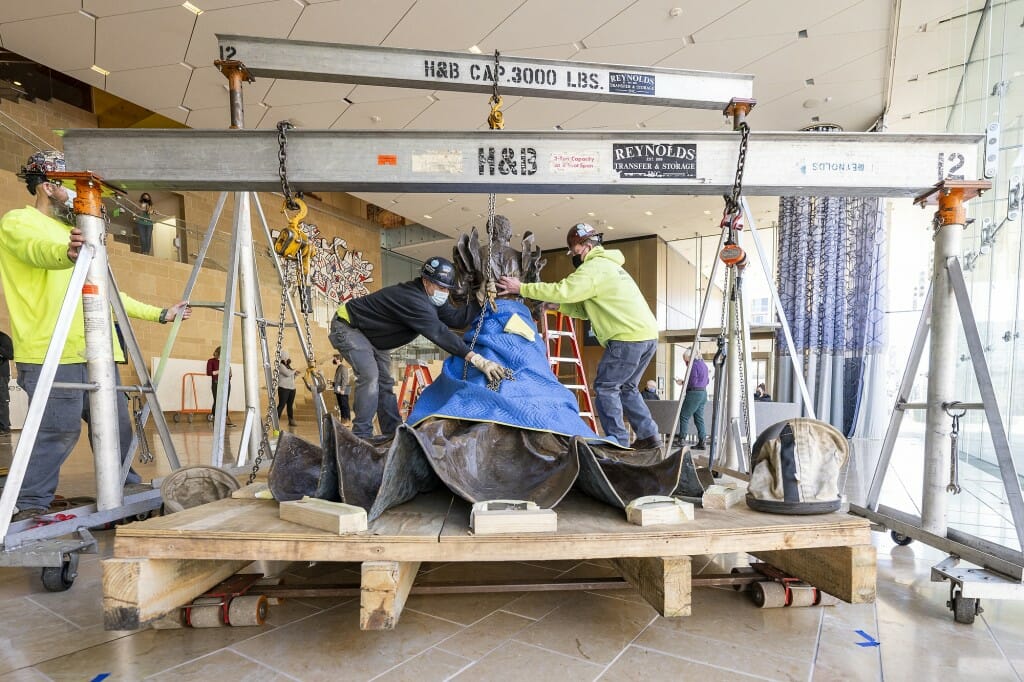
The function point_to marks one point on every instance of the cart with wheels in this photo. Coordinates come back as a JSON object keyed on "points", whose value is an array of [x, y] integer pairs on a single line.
{"points": [[188, 387]]}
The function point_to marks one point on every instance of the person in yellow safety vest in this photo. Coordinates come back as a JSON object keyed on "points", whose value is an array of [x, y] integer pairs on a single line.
{"points": [[38, 248], [602, 292]]}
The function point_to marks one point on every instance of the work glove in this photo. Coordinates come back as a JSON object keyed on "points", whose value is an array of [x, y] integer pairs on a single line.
{"points": [[490, 369]]}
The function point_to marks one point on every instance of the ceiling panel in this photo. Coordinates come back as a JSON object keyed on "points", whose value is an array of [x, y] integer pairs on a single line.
{"points": [[348, 21], [542, 22], [90, 77], [925, 93], [650, 19], [174, 113], [612, 116], [642, 53], [284, 92], [106, 8], [448, 24], [151, 38], [209, 118], [689, 119], [729, 56], [918, 54], [917, 12], [765, 17], [208, 89], [532, 113], [19, 11], [316, 115], [452, 111], [266, 19], [809, 57], [866, 15], [390, 115], [63, 42], [363, 94], [155, 88], [562, 52]]}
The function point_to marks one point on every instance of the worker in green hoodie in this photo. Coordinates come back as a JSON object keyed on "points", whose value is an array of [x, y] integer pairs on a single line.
{"points": [[38, 247], [602, 292]]}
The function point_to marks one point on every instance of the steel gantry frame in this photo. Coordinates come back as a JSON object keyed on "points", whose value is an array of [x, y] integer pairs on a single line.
{"points": [[633, 162]]}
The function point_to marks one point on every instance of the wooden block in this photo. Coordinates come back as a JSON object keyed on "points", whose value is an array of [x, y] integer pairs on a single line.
{"points": [[849, 573], [655, 510], [723, 496], [335, 517], [511, 516], [253, 490], [137, 592], [383, 590], [664, 582]]}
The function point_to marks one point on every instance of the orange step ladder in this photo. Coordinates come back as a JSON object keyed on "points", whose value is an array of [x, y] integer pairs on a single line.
{"points": [[417, 377], [563, 328]]}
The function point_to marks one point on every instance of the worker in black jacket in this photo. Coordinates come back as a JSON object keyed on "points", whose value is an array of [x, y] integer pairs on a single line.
{"points": [[366, 329]]}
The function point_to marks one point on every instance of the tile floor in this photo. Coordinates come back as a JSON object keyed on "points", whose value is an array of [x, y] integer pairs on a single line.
{"points": [[607, 635]]}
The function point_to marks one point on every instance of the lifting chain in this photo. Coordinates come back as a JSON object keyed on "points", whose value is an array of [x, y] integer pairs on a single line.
{"points": [[496, 119], [952, 410], [145, 454], [282, 158], [268, 418]]}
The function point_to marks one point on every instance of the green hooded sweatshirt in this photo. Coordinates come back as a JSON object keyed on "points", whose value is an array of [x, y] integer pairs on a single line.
{"points": [[602, 292], [36, 272]]}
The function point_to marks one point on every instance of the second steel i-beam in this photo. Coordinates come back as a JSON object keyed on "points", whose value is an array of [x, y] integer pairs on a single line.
{"points": [[525, 162]]}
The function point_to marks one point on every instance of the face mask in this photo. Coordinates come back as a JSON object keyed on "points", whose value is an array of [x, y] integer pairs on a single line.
{"points": [[577, 260], [439, 297], [70, 201]]}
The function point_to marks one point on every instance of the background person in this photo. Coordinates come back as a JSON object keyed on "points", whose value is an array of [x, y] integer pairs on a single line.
{"points": [[38, 247], [694, 401], [342, 378], [602, 292], [144, 224], [213, 371], [365, 331], [6, 355], [286, 388], [650, 391]]}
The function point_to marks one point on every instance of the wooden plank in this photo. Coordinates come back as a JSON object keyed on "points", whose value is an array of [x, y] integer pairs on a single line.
{"points": [[334, 517], [723, 496], [384, 589], [664, 582], [492, 517], [436, 528], [849, 573], [137, 592], [259, 490]]}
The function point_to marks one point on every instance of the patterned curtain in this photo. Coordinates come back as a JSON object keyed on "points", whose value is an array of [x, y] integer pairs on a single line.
{"points": [[831, 280]]}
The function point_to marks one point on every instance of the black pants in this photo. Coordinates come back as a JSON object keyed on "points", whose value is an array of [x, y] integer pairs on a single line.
{"points": [[286, 398], [343, 408], [5, 400]]}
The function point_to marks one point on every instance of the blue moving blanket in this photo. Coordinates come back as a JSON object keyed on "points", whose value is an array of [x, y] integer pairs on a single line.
{"points": [[535, 400]]}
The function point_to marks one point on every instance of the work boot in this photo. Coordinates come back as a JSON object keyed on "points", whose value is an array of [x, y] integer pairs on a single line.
{"points": [[292, 422], [699, 445], [25, 514], [648, 443]]}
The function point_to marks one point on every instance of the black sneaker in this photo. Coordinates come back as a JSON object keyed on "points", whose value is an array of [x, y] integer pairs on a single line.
{"points": [[648, 443], [699, 445]]}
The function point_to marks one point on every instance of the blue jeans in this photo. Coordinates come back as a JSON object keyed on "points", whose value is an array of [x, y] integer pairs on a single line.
{"points": [[375, 387], [59, 431], [693, 406], [618, 373]]}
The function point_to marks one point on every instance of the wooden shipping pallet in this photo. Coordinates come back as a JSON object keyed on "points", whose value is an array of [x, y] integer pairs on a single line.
{"points": [[163, 563]]}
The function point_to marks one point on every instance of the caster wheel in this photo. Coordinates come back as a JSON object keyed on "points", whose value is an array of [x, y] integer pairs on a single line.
{"points": [[768, 594], [965, 609], [176, 417], [900, 539], [802, 595], [248, 610], [741, 570], [60, 578], [205, 612]]}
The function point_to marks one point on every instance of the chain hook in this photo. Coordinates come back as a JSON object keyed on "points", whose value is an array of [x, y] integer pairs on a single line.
{"points": [[496, 119]]}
